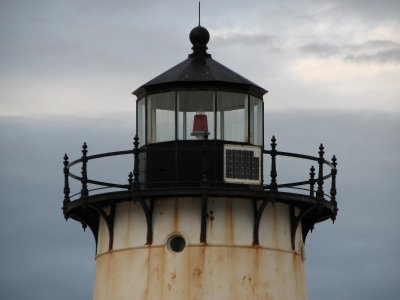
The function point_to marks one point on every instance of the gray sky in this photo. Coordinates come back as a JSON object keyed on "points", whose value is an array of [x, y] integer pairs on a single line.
{"points": [[75, 57], [67, 69]]}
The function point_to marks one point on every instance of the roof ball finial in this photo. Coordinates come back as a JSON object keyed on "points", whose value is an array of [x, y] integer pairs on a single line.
{"points": [[199, 37]]}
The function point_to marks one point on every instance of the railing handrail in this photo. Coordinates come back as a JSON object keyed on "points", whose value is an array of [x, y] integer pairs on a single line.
{"points": [[290, 154], [100, 155], [303, 156], [273, 186]]}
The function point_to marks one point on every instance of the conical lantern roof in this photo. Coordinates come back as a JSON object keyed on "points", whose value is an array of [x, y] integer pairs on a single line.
{"points": [[200, 71]]}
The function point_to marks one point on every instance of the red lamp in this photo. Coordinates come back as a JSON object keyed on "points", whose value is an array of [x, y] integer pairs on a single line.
{"points": [[200, 126]]}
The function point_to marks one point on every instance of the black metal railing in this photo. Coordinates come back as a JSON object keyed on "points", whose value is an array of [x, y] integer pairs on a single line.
{"points": [[305, 186], [273, 186]]}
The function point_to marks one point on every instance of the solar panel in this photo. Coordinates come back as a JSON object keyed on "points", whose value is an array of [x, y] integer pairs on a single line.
{"points": [[242, 164]]}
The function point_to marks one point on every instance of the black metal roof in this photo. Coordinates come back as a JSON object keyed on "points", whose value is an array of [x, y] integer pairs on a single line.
{"points": [[200, 70]]}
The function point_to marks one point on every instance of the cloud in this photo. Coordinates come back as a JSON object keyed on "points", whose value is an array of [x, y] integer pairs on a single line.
{"points": [[369, 9], [76, 56], [244, 39], [384, 56], [378, 51], [321, 50]]}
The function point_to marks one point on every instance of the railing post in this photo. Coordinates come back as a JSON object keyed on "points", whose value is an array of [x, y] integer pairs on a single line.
{"points": [[66, 186], [204, 167], [333, 187], [204, 184], [312, 181], [130, 181], [320, 180], [273, 186], [136, 184], [84, 179]]}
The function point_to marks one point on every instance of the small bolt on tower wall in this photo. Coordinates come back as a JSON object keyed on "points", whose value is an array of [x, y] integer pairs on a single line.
{"points": [[202, 215]]}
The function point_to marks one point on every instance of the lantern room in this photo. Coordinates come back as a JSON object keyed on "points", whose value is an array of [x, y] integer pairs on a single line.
{"points": [[198, 99], [197, 91], [191, 114]]}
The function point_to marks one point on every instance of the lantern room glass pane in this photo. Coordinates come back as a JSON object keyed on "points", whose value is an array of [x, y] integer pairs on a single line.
{"points": [[141, 121], [256, 121], [189, 104], [232, 115], [161, 117]]}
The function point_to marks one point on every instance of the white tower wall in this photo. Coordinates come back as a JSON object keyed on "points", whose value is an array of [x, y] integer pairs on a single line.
{"points": [[228, 266]]}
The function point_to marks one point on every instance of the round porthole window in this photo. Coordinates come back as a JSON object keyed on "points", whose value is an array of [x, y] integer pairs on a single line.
{"points": [[176, 243]]}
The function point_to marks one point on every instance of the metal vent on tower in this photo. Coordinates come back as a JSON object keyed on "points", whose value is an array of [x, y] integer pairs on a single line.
{"points": [[242, 164]]}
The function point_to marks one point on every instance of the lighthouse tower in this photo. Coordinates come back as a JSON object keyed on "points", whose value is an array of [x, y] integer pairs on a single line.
{"points": [[203, 214]]}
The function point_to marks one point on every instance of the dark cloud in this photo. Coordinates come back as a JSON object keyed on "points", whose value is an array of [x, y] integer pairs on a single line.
{"points": [[355, 257], [385, 56], [41, 253], [322, 50], [44, 257], [379, 51], [376, 44]]}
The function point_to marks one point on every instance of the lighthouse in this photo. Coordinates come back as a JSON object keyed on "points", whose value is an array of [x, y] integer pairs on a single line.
{"points": [[203, 213]]}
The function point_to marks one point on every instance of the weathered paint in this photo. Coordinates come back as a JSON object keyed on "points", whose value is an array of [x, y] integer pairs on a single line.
{"points": [[227, 267], [103, 236]]}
